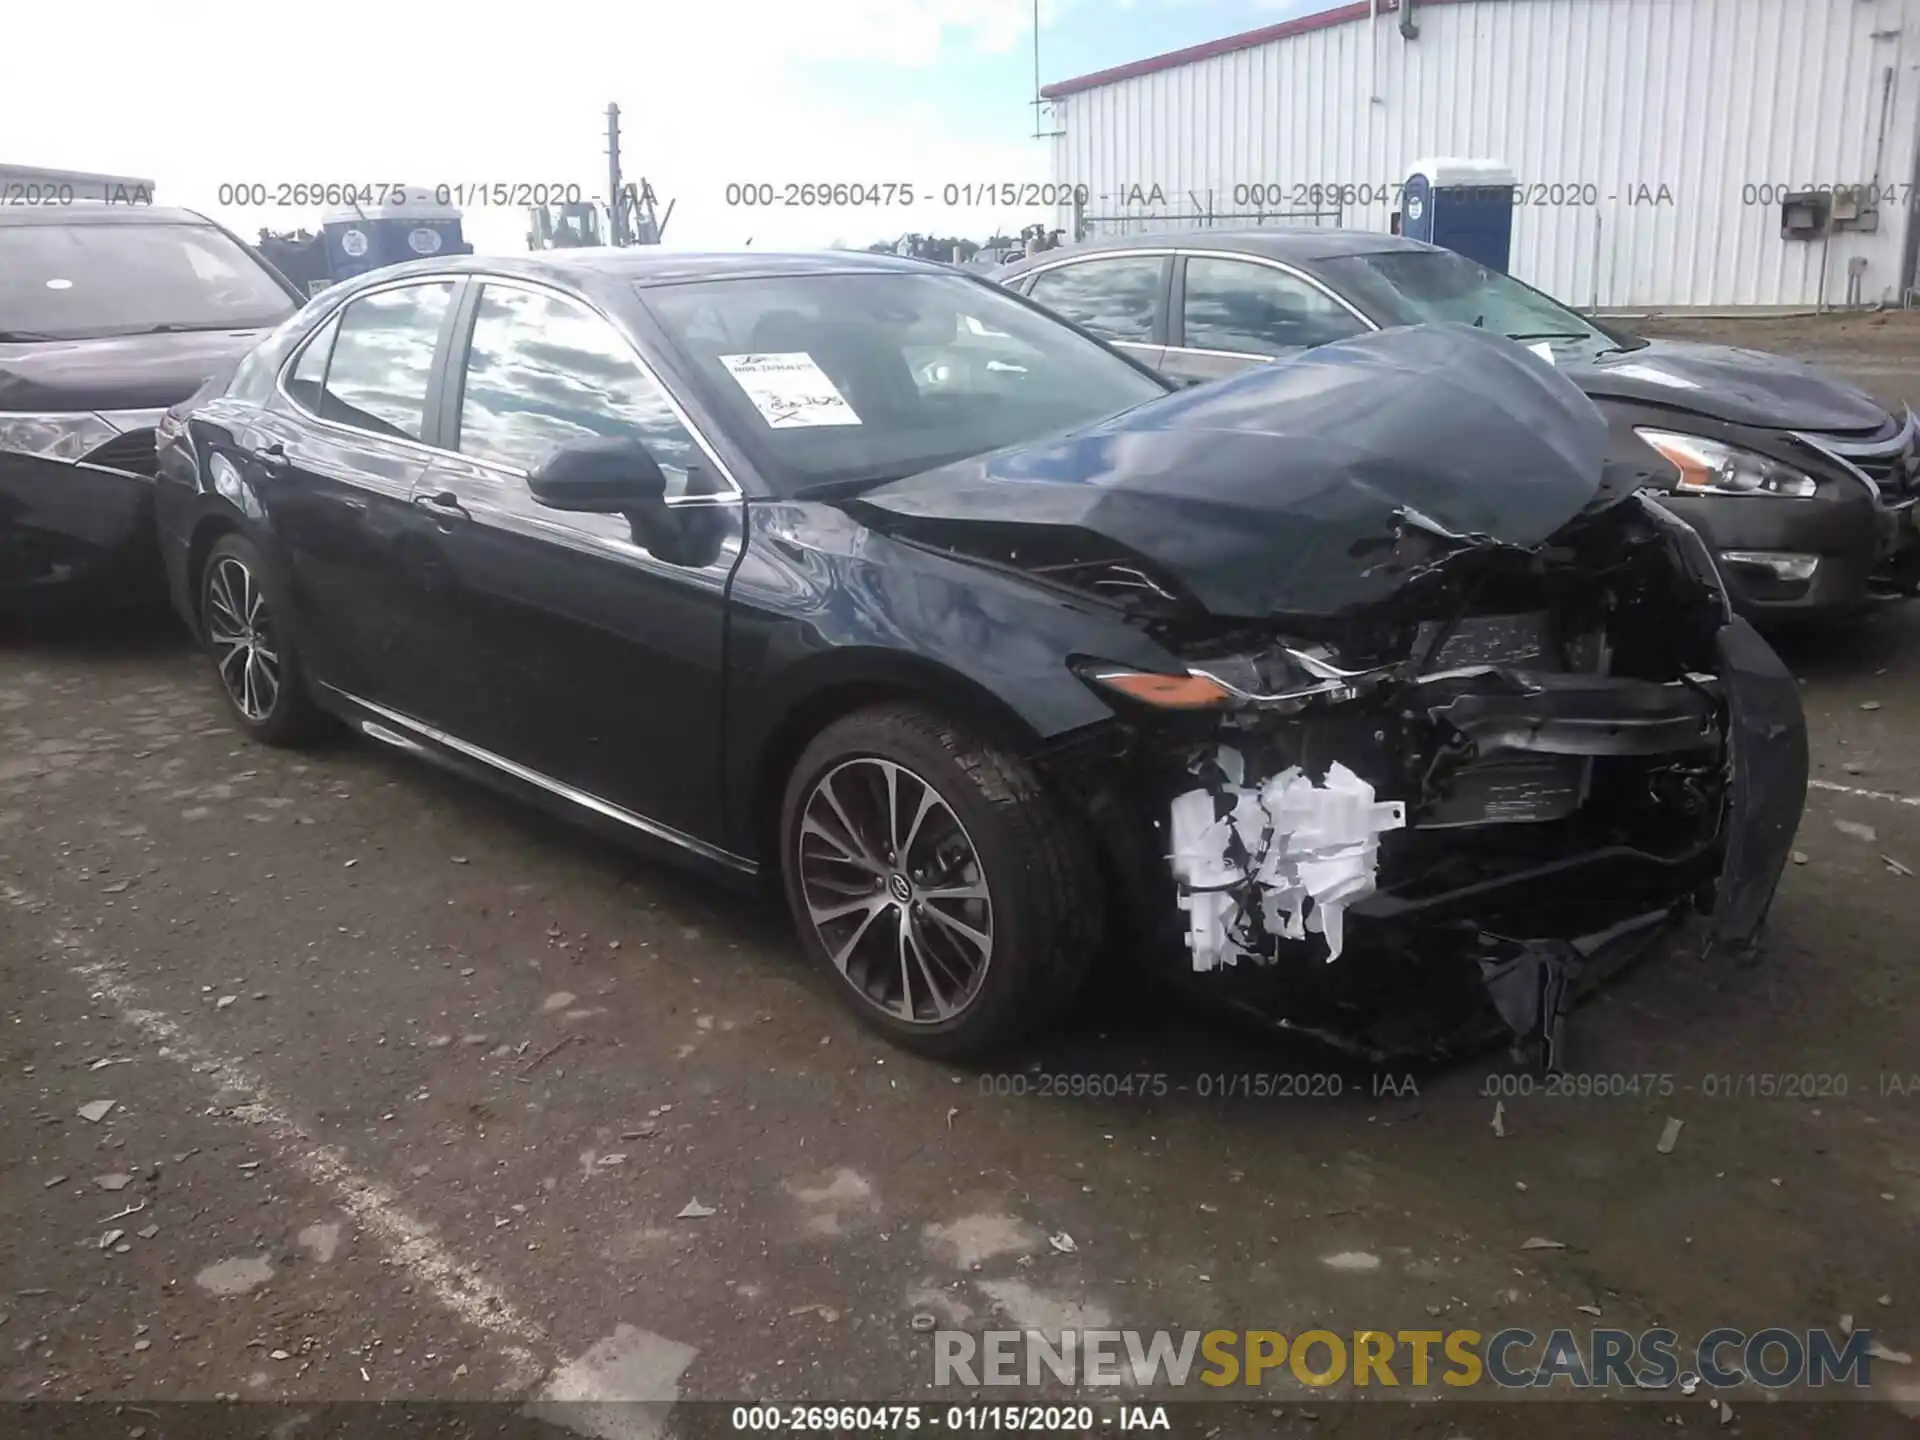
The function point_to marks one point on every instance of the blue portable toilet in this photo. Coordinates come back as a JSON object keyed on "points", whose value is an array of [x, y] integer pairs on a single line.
{"points": [[408, 226], [1463, 205]]}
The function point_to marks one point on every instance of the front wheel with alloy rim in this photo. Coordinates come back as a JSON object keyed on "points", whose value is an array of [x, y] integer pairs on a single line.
{"points": [[947, 894], [243, 621]]}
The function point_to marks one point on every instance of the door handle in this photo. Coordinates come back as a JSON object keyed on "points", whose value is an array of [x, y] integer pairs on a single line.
{"points": [[272, 457], [442, 502]]}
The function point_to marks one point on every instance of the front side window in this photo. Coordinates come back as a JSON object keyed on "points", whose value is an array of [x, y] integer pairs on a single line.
{"points": [[542, 371], [382, 360], [1253, 309], [1114, 298], [852, 378], [90, 279]]}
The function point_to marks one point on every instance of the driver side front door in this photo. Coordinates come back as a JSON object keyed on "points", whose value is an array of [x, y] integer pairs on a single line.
{"points": [[587, 652]]}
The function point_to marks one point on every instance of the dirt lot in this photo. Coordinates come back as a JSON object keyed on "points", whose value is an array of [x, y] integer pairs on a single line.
{"points": [[414, 1092]]}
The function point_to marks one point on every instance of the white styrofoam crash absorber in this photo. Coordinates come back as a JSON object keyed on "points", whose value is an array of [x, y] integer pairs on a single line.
{"points": [[1317, 846]]}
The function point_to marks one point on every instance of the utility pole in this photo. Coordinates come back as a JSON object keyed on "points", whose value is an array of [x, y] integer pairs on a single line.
{"points": [[1039, 101], [615, 212]]}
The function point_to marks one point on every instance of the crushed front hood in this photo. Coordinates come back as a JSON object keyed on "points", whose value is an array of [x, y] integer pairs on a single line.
{"points": [[1279, 491]]}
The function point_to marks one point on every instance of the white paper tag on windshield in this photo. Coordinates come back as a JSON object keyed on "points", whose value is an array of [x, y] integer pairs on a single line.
{"points": [[1544, 351], [789, 390]]}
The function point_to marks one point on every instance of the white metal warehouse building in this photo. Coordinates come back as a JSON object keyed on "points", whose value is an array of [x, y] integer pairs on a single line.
{"points": [[1651, 139]]}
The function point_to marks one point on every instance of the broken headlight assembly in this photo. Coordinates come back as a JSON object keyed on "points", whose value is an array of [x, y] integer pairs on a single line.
{"points": [[1283, 678], [1709, 467]]}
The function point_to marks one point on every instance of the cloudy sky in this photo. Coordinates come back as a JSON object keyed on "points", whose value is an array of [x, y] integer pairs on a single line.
{"points": [[195, 94]]}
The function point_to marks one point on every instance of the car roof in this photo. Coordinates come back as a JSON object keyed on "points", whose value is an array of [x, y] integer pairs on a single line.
{"points": [[649, 265], [99, 212], [1293, 243]]}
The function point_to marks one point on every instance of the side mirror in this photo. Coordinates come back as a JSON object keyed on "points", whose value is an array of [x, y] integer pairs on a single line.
{"points": [[608, 477]]}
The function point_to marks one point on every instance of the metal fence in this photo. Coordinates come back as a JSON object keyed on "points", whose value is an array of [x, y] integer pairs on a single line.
{"points": [[1194, 211]]}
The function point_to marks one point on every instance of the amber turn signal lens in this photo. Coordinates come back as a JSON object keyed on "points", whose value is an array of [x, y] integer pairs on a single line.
{"points": [[1168, 692]]}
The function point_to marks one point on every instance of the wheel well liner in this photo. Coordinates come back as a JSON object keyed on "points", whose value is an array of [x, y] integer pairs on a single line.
{"points": [[952, 696]]}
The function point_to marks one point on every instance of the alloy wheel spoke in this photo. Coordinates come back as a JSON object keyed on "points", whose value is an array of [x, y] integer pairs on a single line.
{"points": [[849, 851], [907, 1007], [980, 942], [973, 891], [823, 913], [266, 684], [927, 801], [234, 676], [910, 941], [841, 955], [895, 854], [221, 594], [841, 887], [852, 830]]}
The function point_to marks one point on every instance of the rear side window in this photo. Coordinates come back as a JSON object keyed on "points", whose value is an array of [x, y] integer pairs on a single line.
{"points": [[381, 360], [306, 382], [254, 381], [1114, 298]]}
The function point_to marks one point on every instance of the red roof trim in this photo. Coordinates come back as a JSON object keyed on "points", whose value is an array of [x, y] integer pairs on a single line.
{"points": [[1246, 40]]}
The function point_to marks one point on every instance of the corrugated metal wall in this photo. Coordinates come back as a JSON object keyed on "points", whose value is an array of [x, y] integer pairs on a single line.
{"points": [[1703, 97]]}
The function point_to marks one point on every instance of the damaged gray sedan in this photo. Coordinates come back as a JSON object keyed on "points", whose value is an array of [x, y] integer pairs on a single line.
{"points": [[1431, 719]]}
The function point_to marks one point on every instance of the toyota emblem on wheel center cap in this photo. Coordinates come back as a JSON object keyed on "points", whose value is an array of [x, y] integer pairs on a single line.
{"points": [[897, 883]]}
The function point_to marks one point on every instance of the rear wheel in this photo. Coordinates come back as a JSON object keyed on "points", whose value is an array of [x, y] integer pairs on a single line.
{"points": [[243, 621], [942, 887]]}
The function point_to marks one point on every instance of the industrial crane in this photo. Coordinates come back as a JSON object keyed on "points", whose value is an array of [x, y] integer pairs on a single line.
{"points": [[629, 217]]}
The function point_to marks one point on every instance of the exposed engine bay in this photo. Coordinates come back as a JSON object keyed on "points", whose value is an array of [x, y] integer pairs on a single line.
{"points": [[1587, 713], [1518, 735], [1452, 718]]}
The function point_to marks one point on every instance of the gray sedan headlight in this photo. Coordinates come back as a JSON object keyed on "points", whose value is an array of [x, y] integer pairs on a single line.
{"points": [[1710, 467], [55, 437]]}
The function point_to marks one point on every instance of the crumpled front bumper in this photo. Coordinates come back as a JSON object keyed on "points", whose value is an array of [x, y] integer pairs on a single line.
{"points": [[1547, 921], [1533, 982], [72, 527], [1768, 740]]}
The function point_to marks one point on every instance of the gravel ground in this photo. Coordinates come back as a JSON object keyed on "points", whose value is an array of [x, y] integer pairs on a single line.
{"points": [[414, 1093]]}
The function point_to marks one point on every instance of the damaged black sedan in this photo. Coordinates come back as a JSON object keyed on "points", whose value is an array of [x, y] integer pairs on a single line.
{"points": [[1358, 692]]}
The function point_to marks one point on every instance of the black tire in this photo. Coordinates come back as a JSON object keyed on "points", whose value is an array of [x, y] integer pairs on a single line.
{"points": [[1034, 860], [236, 578]]}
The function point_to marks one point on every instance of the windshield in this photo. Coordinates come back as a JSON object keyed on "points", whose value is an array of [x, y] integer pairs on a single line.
{"points": [[83, 281], [846, 379], [1414, 287]]}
